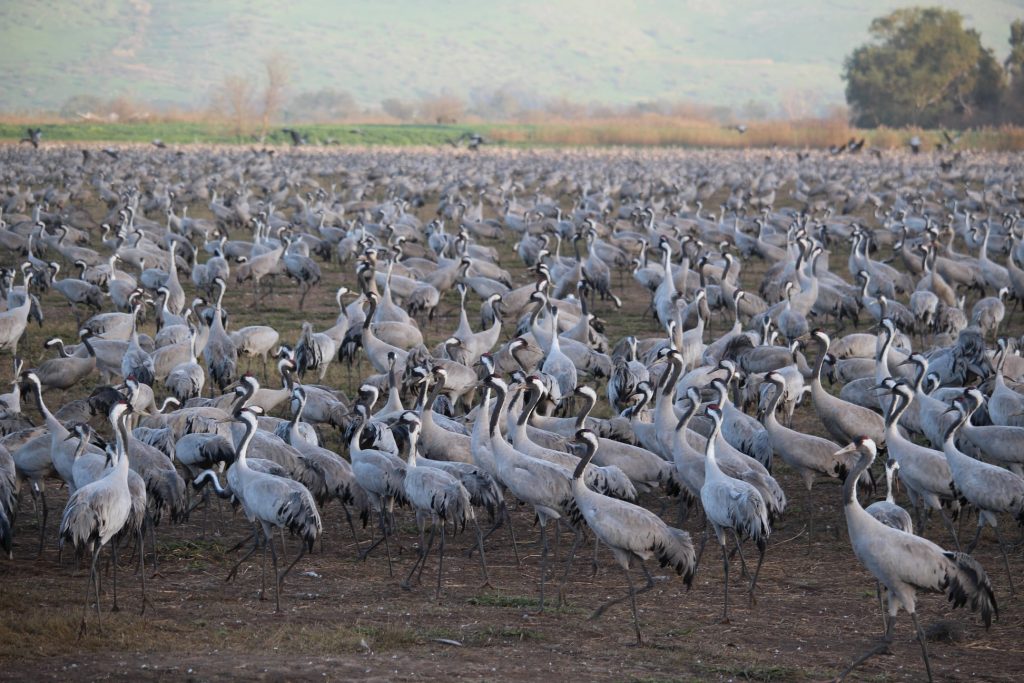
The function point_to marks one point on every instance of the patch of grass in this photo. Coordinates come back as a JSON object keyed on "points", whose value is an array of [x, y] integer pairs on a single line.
{"points": [[495, 600], [197, 553]]}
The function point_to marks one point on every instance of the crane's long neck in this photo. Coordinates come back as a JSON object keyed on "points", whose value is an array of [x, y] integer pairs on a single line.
{"points": [[850, 502], [243, 446], [820, 361], [414, 435], [709, 451], [773, 402], [496, 411], [588, 406], [577, 474], [889, 472], [122, 447], [52, 423], [88, 345]]}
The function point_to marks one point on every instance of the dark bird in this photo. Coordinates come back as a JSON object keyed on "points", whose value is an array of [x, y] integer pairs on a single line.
{"points": [[297, 137], [33, 136], [159, 144]]}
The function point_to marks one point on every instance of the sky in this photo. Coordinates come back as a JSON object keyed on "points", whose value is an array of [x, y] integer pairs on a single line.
{"points": [[178, 52]]}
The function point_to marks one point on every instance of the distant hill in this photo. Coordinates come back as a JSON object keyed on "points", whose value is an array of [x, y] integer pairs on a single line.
{"points": [[614, 51]]}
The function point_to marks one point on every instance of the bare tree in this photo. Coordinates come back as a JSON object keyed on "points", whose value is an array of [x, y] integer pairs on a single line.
{"points": [[235, 101], [444, 107], [276, 67], [400, 109]]}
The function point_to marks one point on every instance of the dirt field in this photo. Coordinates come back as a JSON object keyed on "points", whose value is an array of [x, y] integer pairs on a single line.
{"points": [[344, 619]]}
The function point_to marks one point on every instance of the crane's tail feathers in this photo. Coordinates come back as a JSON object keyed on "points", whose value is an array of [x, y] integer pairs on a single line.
{"points": [[968, 584], [298, 513], [675, 549], [671, 483], [613, 482]]}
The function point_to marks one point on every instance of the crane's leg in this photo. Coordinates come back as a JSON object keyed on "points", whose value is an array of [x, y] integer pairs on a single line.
{"points": [[725, 565], [810, 520], [632, 602], [89, 585], [762, 547], [881, 607], [881, 647], [440, 563], [277, 580], [739, 550], [543, 561], [113, 554], [36, 491], [924, 647], [302, 553], [426, 551], [951, 528], [420, 553], [142, 576], [977, 534], [387, 544], [148, 521], [267, 541], [700, 549], [568, 565], [483, 560], [351, 526], [239, 544], [1006, 561], [255, 546]]}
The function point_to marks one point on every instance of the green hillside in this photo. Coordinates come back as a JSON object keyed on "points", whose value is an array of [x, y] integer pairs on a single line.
{"points": [[176, 53]]}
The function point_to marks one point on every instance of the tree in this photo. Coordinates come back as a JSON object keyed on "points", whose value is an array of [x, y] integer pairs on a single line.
{"points": [[442, 108], [322, 106], [234, 99], [1014, 64], [78, 106], [400, 109], [276, 68], [922, 68]]}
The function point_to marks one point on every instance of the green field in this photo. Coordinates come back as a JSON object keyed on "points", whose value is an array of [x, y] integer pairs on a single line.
{"points": [[639, 131]]}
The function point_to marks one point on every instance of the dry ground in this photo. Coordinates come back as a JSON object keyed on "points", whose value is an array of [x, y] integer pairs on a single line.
{"points": [[346, 619]]}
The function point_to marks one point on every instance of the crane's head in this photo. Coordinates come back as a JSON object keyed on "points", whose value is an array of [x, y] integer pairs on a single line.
{"points": [[588, 438]]}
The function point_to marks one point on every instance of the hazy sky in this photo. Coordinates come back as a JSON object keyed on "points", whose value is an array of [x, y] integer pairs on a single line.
{"points": [[613, 51]]}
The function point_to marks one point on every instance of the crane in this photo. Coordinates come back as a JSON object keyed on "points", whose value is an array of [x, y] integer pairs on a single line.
{"points": [[96, 512], [904, 563], [630, 531], [270, 501], [732, 505]]}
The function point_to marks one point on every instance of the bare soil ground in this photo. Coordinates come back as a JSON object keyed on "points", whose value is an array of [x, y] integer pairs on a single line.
{"points": [[344, 619]]}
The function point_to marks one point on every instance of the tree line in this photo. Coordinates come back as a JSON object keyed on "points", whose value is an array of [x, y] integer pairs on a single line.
{"points": [[923, 68]]}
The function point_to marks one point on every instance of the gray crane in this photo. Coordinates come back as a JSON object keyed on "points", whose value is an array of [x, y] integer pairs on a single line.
{"points": [[220, 352], [96, 512], [732, 505], [904, 563], [380, 474], [630, 531], [438, 495], [991, 489], [272, 502]]}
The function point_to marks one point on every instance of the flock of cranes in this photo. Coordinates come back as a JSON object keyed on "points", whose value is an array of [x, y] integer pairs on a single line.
{"points": [[698, 415]]}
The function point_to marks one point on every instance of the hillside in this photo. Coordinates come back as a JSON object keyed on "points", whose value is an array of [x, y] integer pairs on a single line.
{"points": [[175, 53]]}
